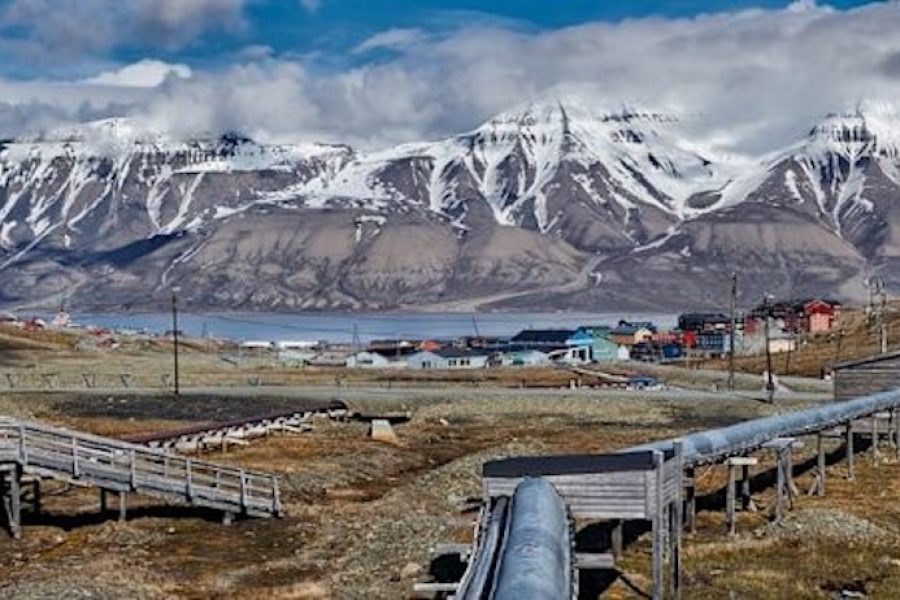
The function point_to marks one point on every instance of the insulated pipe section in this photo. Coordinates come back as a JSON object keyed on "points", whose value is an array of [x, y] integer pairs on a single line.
{"points": [[716, 444], [477, 582], [536, 557]]}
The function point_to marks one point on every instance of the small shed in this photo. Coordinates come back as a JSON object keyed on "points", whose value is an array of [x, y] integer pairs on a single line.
{"points": [[863, 376]]}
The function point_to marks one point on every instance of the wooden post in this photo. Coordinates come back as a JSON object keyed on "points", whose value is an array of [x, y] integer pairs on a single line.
{"points": [[36, 498], [616, 538], [103, 504], [15, 502], [746, 497], [849, 446], [820, 464], [730, 500], [779, 485], [745, 462], [897, 433], [677, 508], [792, 491], [657, 526], [875, 440], [123, 506], [690, 492], [227, 517]]}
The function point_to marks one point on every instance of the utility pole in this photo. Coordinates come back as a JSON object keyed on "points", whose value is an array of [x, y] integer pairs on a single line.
{"points": [[770, 383], [882, 319], [732, 332], [175, 336]]}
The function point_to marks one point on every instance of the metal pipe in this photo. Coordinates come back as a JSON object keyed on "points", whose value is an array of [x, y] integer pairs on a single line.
{"points": [[476, 582], [717, 444], [536, 558]]}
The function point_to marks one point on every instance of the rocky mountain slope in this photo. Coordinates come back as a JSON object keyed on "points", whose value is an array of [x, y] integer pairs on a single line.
{"points": [[554, 205]]}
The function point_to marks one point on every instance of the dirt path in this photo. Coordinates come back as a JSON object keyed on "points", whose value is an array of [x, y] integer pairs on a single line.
{"points": [[581, 280]]}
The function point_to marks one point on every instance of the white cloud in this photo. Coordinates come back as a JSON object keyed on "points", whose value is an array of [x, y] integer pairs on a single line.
{"points": [[146, 73], [59, 30], [311, 5], [392, 39], [751, 81]]}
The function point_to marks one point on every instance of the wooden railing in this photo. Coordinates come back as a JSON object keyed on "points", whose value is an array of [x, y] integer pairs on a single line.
{"points": [[121, 466]]}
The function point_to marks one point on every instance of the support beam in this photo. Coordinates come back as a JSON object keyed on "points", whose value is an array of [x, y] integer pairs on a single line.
{"points": [[820, 465], [123, 506], [780, 486], [690, 501], [744, 462], [36, 495], [746, 492], [730, 500], [103, 502], [616, 538], [849, 446], [897, 432], [14, 501], [227, 517], [875, 440], [658, 530]]}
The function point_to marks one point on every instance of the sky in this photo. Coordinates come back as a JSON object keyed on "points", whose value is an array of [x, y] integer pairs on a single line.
{"points": [[746, 76]]}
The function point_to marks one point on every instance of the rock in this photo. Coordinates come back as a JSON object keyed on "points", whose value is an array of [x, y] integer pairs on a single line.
{"points": [[381, 431], [170, 530], [410, 570]]}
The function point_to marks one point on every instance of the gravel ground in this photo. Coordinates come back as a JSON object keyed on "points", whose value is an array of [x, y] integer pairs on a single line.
{"points": [[827, 523]]}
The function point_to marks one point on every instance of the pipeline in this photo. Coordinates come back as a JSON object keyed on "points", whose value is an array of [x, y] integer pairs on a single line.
{"points": [[715, 445], [526, 548]]}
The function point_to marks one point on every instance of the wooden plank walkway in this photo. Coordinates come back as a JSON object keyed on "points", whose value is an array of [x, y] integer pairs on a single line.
{"points": [[37, 449]]}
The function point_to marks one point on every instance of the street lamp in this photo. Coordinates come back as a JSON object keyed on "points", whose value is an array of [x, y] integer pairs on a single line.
{"points": [[770, 383], [175, 291]]}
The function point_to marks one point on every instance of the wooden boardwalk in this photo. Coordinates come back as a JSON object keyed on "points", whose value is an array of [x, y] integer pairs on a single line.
{"points": [[30, 449]]}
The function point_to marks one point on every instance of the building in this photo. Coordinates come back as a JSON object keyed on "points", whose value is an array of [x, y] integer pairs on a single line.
{"points": [[447, 358], [629, 334], [781, 342], [713, 343], [522, 358], [373, 360], [704, 322], [545, 340], [821, 315], [863, 376], [596, 337], [808, 315], [296, 357]]}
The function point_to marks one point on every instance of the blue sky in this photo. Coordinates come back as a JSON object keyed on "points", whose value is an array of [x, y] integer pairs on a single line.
{"points": [[746, 75], [322, 32]]}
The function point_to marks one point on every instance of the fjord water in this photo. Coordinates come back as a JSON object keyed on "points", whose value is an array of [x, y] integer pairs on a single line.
{"points": [[340, 327]]}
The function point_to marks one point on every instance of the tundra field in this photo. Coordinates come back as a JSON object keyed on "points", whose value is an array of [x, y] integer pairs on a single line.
{"points": [[363, 517]]}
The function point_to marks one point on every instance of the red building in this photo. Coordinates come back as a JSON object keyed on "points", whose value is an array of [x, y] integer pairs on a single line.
{"points": [[810, 315]]}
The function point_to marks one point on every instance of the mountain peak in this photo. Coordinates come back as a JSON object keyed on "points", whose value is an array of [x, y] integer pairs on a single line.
{"points": [[872, 126]]}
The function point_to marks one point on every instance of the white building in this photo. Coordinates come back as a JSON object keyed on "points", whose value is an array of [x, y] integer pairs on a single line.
{"points": [[373, 360], [447, 358]]}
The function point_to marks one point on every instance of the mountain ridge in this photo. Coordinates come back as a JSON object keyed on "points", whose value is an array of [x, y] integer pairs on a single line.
{"points": [[109, 215]]}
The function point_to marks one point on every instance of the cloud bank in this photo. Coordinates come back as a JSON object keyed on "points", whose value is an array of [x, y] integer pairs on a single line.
{"points": [[748, 81]]}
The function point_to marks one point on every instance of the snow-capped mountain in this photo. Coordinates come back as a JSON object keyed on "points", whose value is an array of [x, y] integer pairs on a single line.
{"points": [[108, 183], [554, 204], [598, 179]]}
